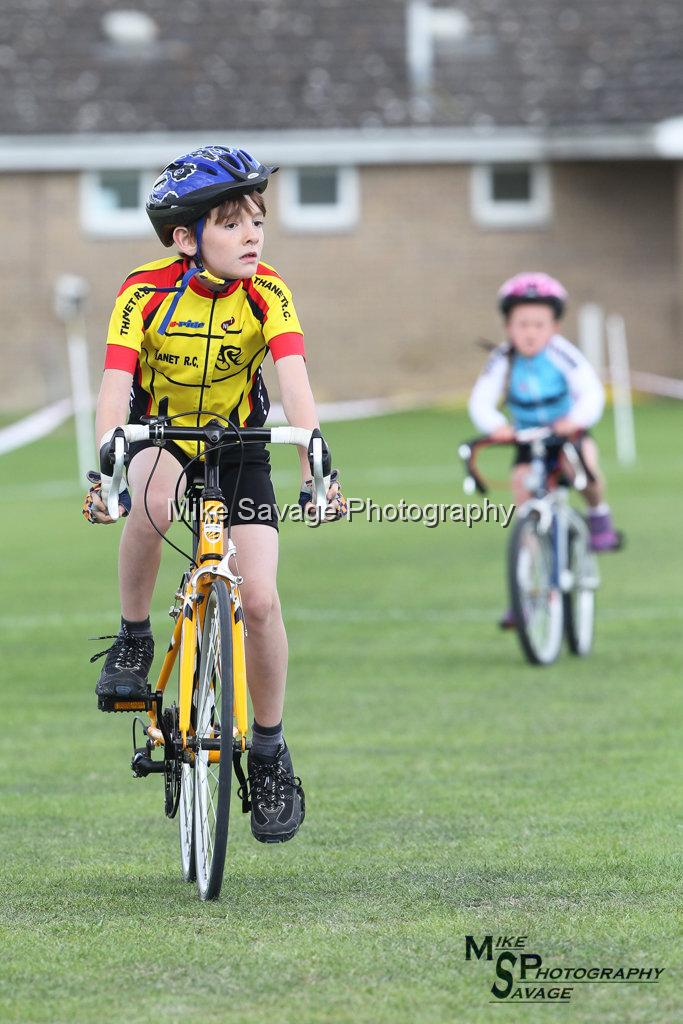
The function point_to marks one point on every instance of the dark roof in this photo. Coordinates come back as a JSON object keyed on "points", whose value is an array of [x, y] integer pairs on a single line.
{"points": [[279, 64]]}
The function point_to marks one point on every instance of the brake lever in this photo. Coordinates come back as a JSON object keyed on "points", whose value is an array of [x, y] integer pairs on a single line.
{"points": [[116, 476], [321, 482], [472, 482], [320, 461]]}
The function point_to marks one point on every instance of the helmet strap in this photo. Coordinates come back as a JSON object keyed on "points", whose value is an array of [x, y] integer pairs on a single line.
{"points": [[199, 231], [204, 275]]}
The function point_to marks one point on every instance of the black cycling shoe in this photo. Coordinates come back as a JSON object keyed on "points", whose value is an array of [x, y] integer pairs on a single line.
{"points": [[125, 671], [277, 799]]}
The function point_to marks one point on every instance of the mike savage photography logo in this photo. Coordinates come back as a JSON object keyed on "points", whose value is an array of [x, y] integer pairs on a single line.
{"points": [[521, 976], [430, 515]]}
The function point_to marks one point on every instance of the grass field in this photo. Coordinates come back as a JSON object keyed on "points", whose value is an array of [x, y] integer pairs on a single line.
{"points": [[451, 788]]}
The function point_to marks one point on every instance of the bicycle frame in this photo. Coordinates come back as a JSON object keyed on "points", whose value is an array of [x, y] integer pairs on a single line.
{"points": [[212, 562], [557, 516], [555, 513], [189, 616]]}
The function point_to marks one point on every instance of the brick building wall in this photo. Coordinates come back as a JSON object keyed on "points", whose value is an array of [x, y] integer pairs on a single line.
{"points": [[393, 307]]}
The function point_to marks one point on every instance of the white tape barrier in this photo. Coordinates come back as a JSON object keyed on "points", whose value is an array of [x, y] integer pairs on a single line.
{"points": [[654, 384], [35, 426], [38, 424], [363, 408]]}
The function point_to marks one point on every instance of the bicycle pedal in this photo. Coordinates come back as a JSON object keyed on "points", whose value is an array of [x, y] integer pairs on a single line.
{"points": [[113, 704]]}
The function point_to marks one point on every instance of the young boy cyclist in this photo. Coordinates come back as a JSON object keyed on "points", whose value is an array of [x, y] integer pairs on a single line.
{"points": [[544, 381], [188, 335]]}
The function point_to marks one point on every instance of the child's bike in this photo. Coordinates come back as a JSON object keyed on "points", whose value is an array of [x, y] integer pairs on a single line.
{"points": [[203, 734], [552, 573]]}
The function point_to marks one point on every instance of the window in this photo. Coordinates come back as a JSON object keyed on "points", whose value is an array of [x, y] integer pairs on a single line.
{"points": [[113, 202], [318, 198], [511, 195]]}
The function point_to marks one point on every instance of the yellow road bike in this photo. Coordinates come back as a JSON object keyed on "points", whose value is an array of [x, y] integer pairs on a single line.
{"points": [[204, 732]]}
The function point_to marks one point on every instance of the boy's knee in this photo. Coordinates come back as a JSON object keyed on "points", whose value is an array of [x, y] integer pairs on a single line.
{"points": [[261, 604], [156, 509]]}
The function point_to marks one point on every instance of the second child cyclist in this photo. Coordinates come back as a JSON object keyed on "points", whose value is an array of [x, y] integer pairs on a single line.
{"points": [[544, 381], [188, 336]]}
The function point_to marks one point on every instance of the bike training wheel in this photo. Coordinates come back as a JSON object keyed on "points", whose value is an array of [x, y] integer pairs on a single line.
{"points": [[579, 602], [214, 722], [536, 602], [186, 809]]}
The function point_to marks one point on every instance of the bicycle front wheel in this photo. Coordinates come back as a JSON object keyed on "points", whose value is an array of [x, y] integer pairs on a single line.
{"points": [[186, 806], [535, 598], [214, 742], [579, 602]]}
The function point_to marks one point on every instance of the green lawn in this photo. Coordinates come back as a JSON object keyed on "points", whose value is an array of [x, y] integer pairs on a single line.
{"points": [[451, 788]]}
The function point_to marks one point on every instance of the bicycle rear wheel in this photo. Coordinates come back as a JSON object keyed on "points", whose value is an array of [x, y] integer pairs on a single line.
{"points": [[535, 598], [214, 737], [579, 602]]}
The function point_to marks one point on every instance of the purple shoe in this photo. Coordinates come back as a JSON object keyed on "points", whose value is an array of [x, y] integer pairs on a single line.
{"points": [[603, 535], [508, 621]]}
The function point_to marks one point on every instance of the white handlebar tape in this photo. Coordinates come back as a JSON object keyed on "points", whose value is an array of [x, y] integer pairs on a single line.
{"points": [[291, 435]]}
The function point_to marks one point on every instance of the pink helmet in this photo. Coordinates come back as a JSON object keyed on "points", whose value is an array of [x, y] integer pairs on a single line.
{"points": [[532, 287]]}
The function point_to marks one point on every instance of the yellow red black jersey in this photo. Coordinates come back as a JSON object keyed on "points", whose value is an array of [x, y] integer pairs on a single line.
{"points": [[208, 360]]}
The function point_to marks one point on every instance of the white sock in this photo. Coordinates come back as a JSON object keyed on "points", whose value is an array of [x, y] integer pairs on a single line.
{"points": [[602, 509]]}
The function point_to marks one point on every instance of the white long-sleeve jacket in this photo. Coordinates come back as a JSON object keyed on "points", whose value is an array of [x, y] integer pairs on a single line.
{"points": [[558, 381]]}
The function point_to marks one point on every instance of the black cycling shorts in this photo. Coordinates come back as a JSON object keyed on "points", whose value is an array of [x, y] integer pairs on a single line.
{"points": [[254, 502], [522, 454]]}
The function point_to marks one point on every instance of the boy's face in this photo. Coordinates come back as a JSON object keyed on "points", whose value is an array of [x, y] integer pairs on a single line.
{"points": [[232, 249], [530, 327]]}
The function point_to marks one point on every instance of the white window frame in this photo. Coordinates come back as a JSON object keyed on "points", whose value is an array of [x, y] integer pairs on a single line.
{"points": [[339, 216], [497, 213], [99, 220]]}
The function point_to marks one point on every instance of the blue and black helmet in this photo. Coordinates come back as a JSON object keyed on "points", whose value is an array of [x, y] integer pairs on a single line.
{"points": [[195, 183]]}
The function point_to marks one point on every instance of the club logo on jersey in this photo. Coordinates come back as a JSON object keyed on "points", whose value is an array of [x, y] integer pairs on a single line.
{"points": [[264, 282], [227, 323], [138, 294], [228, 355]]}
